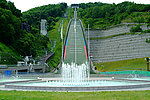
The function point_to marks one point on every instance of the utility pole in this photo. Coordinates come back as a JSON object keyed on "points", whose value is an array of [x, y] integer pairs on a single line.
{"points": [[88, 43], [62, 38], [75, 36]]}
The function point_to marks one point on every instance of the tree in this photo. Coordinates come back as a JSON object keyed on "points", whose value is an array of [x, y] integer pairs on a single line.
{"points": [[9, 27]]}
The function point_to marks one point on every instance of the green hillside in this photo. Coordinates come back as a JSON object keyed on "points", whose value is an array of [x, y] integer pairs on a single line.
{"points": [[100, 15], [131, 64], [7, 55], [55, 36], [21, 31], [137, 17]]}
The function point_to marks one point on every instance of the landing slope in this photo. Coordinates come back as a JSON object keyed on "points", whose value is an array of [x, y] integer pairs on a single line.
{"points": [[75, 47]]}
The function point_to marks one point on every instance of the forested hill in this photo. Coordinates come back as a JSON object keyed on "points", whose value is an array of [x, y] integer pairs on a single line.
{"points": [[10, 22], [50, 12], [21, 31], [100, 15]]}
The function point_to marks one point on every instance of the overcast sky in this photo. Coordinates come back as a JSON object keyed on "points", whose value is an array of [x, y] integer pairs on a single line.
{"points": [[25, 5]]}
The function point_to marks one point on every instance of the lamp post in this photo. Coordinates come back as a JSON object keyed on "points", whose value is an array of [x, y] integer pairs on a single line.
{"points": [[88, 43], [75, 35], [62, 38]]}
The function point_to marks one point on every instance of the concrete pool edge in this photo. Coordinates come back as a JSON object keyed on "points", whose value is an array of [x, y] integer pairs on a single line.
{"points": [[96, 88], [134, 80], [18, 87], [21, 81]]}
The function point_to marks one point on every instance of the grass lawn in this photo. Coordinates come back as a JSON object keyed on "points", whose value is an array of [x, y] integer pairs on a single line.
{"points": [[132, 64], [104, 95]]}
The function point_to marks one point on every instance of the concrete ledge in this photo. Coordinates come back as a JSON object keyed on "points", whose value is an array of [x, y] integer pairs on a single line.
{"points": [[3, 83], [137, 80], [99, 88]]}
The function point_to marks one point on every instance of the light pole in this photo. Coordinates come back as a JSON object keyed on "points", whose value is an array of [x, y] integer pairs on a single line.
{"points": [[75, 35], [88, 43], [62, 38]]}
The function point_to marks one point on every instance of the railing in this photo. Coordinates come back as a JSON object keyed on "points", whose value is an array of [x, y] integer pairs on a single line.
{"points": [[134, 72], [44, 59]]}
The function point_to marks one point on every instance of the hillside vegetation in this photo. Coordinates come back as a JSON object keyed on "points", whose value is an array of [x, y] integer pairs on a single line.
{"points": [[52, 13], [21, 31], [100, 15], [8, 55], [55, 35]]}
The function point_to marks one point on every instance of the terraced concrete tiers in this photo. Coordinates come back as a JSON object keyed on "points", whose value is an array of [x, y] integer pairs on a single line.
{"points": [[113, 31], [75, 47], [121, 47]]}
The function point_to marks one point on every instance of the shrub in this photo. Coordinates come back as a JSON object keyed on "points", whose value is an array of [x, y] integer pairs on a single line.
{"points": [[147, 31], [147, 40], [136, 29], [148, 24]]}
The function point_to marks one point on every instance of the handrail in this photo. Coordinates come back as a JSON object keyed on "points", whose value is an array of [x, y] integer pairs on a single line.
{"points": [[44, 59]]}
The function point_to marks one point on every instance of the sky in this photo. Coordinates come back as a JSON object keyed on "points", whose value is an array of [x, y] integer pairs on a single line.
{"points": [[25, 5]]}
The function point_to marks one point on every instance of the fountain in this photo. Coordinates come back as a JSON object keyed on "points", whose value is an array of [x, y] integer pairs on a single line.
{"points": [[75, 73], [77, 78]]}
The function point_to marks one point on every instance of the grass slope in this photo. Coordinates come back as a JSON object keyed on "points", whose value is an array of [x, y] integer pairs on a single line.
{"points": [[6, 53], [132, 64], [104, 95], [55, 35]]}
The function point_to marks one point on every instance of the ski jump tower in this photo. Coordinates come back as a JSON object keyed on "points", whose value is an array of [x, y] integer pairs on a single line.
{"points": [[43, 27]]}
